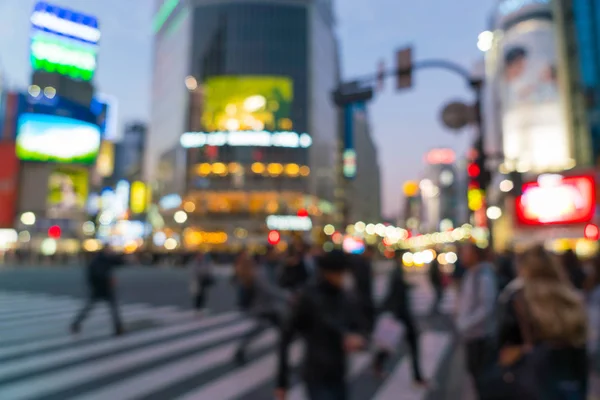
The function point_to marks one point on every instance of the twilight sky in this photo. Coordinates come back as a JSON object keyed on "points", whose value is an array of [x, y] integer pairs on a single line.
{"points": [[405, 125]]}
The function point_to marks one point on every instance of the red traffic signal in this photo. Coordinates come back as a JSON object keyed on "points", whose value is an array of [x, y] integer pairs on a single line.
{"points": [[54, 232], [473, 170], [591, 232], [274, 238], [302, 213]]}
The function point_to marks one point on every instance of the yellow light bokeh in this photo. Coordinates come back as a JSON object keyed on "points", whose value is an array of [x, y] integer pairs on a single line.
{"points": [[234, 168], [410, 188], [275, 169], [204, 169], [304, 170], [258, 168], [189, 206], [219, 169], [292, 169], [196, 238]]}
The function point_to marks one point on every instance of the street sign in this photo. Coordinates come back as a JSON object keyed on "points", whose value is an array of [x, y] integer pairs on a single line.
{"points": [[456, 115]]}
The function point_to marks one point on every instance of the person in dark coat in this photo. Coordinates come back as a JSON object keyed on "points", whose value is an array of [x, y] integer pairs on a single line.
{"points": [[436, 278], [397, 302], [101, 284], [324, 318], [363, 285], [573, 268], [294, 274]]}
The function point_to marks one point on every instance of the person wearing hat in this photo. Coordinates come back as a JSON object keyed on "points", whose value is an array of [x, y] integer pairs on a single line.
{"points": [[325, 319]]}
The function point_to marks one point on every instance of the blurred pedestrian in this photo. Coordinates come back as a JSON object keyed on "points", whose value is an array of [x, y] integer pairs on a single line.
{"points": [[573, 268], [397, 302], [294, 274], [201, 279], [542, 335], [436, 278], [263, 301], [505, 269], [594, 312], [326, 321], [101, 286], [476, 319], [363, 285], [271, 264]]}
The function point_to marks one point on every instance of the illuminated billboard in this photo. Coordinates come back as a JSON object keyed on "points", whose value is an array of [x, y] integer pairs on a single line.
{"points": [[246, 138], [51, 138], [67, 190], [557, 200], [534, 126], [247, 103], [64, 41], [106, 107]]}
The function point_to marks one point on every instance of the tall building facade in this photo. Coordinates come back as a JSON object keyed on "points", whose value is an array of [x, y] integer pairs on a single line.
{"points": [[129, 153], [364, 190], [586, 22], [244, 87]]}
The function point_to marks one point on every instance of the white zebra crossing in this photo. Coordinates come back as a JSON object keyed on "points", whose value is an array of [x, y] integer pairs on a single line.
{"points": [[162, 357]]}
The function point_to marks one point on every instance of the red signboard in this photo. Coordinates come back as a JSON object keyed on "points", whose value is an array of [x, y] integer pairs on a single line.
{"points": [[440, 156], [9, 168], [557, 200]]}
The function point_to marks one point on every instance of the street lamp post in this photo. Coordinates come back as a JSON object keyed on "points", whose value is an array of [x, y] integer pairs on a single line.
{"points": [[361, 90]]}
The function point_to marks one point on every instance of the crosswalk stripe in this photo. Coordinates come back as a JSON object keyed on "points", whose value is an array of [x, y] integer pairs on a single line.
{"points": [[31, 364], [32, 330], [159, 378], [71, 376], [234, 384], [62, 315], [398, 386], [33, 304], [14, 351]]}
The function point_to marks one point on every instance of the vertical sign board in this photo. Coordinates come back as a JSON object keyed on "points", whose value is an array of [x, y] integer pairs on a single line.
{"points": [[9, 170], [349, 154]]}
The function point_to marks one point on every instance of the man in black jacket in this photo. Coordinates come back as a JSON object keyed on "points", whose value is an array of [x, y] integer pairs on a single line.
{"points": [[100, 280], [397, 302], [326, 321], [363, 285]]}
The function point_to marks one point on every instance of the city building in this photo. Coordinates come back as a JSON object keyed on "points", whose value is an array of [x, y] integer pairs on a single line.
{"points": [[245, 88], [440, 192], [129, 153], [586, 23], [363, 193]]}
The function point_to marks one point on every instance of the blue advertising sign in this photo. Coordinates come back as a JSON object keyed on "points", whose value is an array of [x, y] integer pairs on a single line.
{"points": [[65, 23]]}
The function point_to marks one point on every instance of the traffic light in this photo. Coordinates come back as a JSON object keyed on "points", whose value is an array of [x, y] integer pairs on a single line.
{"points": [[479, 175], [591, 232], [404, 68]]}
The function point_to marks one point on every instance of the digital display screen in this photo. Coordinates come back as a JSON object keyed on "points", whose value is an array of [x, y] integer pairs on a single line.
{"points": [[247, 103], [67, 190], [51, 138]]}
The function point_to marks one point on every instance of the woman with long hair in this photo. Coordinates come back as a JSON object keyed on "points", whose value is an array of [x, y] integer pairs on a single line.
{"points": [[543, 333]]}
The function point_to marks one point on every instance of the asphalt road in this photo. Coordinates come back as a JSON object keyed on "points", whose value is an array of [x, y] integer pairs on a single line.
{"points": [[169, 353]]}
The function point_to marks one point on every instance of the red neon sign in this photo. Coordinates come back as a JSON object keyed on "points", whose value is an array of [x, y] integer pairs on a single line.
{"points": [[557, 200], [440, 156]]}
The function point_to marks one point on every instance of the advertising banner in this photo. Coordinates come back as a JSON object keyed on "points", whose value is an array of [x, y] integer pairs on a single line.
{"points": [[67, 190], [535, 134], [9, 170], [51, 138], [248, 103], [557, 200]]}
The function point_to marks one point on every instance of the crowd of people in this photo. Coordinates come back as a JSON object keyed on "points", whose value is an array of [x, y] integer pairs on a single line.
{"points": [[522, 319]]}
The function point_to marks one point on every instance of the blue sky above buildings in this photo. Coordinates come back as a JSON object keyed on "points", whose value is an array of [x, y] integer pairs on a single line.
{"points": [[405, 125]]}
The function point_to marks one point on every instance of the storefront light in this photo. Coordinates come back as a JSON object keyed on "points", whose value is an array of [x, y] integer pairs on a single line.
{"points": [[494, 213], [28, 218], [219, 169], [170, 244], [189, 206], [292, 169], [506, 186], [275, 169], [180, 217], [304, 171], [258, 168]]}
